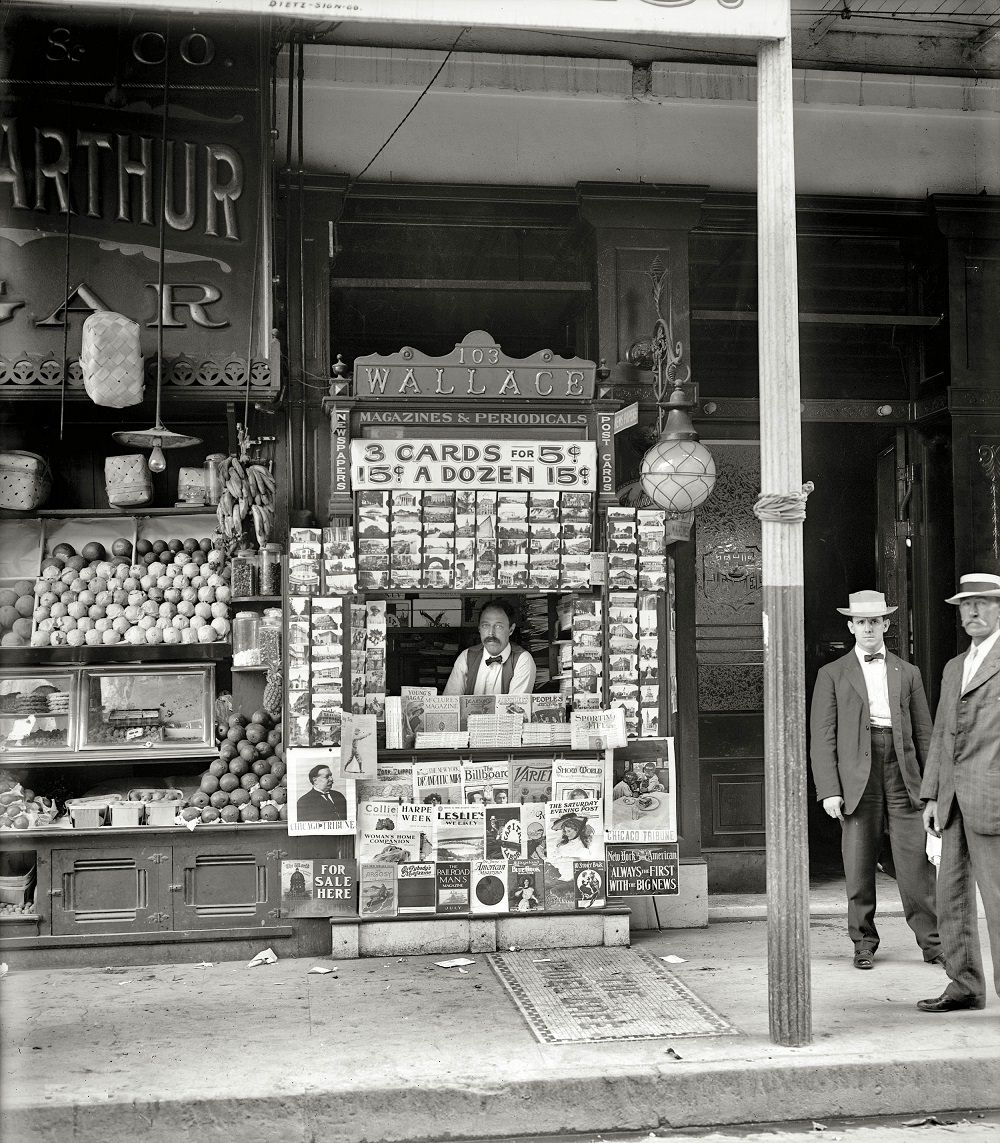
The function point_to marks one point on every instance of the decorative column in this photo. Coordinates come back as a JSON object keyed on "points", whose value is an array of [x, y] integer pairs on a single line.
{"points": [[781, 509]]}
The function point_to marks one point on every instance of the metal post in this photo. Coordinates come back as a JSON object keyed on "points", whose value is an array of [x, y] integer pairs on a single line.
{"points": [[781, 530]]}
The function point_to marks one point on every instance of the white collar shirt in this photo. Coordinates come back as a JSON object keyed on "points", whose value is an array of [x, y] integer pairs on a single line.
{"points": [[877, 685], [974, 658], [488, 681]]}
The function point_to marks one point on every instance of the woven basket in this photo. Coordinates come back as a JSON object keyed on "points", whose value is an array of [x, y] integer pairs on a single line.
{"points": [[127, 480], [111, 360], [25, 480]]}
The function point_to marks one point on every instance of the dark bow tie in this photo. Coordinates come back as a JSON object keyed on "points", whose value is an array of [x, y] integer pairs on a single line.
{"points": [[494, 660], [872, 658]]}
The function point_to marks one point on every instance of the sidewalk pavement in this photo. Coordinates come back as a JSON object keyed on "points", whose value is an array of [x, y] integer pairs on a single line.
{"points": [[402, 1050]]}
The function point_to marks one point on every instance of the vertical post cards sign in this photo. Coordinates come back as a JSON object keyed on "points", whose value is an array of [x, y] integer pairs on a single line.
{"points": [[499, 466]]}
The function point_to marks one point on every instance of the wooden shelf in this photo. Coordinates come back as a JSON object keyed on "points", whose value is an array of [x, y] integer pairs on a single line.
{"points": [[73, 759], [489, 752], [255, 599], [162, 654], [48, 832], [118, 513], [258, 668]]}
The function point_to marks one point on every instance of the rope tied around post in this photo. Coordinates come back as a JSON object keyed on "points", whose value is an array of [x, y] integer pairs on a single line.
{"points": [[783, 507]]}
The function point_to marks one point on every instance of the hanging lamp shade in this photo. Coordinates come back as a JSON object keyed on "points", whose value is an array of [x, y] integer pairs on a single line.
{"points": [[678, 472], [156, 440], [159, 437]]}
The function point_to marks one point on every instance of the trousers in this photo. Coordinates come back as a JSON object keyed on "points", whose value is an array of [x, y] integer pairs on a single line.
{"points": [[968, 857], [885, 797]]}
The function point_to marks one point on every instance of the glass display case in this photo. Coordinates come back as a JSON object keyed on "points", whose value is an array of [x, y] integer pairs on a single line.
{"points": [[164, 710], [37, 711]]}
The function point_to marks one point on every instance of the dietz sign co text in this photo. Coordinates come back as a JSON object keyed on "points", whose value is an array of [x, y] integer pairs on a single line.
{"points": [[476, 368], [486, 465]]}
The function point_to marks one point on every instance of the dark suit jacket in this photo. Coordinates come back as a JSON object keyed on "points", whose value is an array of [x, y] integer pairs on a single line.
{"points": [[964, 759], [313, 807], [840, 728]]}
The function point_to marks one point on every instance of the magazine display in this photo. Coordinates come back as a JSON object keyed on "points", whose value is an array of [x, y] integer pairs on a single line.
{"points": [[590, 882], [475, 704], [577, 779], [377, 893], [358, 745], [489, 887], [441, 714], [525, 887], [459, 833], [531, 780], [437, 782], [641, 799], [485, 782], [388, 847], [392, 781], [549, 708], [515, 705], [416, 888], [504, 833], [452, 887], [574, 831], [598, 729]]}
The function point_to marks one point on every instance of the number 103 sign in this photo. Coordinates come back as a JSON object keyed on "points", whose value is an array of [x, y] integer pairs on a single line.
{"points": [[486, 465]]}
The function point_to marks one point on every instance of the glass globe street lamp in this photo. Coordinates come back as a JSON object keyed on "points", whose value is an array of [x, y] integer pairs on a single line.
{"points": [[678, 472]]}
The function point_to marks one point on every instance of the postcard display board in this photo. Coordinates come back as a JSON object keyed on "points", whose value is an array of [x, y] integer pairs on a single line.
{"points": [[458, 480]]}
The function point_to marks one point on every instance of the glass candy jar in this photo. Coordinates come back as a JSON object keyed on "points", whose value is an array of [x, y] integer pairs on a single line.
{"points": [[243, 583], [246, 639], [270, 570], [269, 637]]}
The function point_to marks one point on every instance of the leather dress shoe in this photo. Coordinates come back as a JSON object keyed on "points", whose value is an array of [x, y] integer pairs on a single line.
{"points": [[946, 1003], [864, 958]]}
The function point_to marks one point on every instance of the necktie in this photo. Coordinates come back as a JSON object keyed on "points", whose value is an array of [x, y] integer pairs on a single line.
{"points": [[872, 658], [492, 662]]}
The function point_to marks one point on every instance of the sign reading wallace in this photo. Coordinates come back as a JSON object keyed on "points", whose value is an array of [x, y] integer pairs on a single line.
{"points": [[476, 368]]}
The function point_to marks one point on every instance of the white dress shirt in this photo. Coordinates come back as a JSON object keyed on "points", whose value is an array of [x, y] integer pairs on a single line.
{"points": [[974, 658], [877, 684], [488, 681]]}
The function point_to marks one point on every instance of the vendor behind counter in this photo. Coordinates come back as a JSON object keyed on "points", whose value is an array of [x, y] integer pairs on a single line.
{"points": [[496, 666]]}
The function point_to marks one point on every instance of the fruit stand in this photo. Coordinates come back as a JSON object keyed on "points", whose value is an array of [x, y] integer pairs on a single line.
{"points": [[142, 781]]}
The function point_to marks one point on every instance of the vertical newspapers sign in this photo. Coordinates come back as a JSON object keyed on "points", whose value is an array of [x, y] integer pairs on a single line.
{"points": [[731, 19]]}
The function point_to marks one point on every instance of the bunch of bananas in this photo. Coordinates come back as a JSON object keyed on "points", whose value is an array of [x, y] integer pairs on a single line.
{"points": [[248, 501]]}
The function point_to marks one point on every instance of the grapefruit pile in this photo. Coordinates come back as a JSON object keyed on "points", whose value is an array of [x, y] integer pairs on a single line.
{"points": [[166, 591], [246, 783], [17, 605]]}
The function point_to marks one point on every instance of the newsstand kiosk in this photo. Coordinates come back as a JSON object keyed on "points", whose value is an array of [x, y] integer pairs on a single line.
{"points": [[479, 821]]}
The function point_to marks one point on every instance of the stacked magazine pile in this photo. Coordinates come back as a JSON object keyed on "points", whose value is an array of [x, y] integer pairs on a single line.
{"points": [[545, 734], [487, 731], [442, 739]]}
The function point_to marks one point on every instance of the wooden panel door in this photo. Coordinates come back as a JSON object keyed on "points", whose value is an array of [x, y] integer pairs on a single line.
{"points": [[226, 882], [105, 890]]}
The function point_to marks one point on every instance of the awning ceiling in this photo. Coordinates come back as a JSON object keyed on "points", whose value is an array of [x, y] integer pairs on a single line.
{"points": [[954, 37]]}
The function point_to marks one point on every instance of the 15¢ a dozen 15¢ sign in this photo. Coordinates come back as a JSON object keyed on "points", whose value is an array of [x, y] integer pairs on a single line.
{"points": [[491, 466]]}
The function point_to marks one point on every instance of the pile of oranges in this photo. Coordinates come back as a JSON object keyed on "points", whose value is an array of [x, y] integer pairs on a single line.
{"points": [[246, 783]]}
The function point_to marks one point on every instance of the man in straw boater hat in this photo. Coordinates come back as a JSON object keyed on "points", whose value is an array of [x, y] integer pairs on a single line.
{"points": [[961, 792], [870, 729]]}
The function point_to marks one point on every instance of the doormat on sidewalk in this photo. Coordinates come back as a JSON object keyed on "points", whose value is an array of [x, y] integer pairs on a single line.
{"points": [[586, 996]]}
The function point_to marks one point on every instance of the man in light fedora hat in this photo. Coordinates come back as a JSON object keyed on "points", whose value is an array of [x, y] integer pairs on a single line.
{"points": [[870, 730], [961, 791]]}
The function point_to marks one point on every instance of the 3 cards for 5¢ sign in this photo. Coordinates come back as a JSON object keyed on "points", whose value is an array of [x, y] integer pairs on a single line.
{"points": [[487, 465]]}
